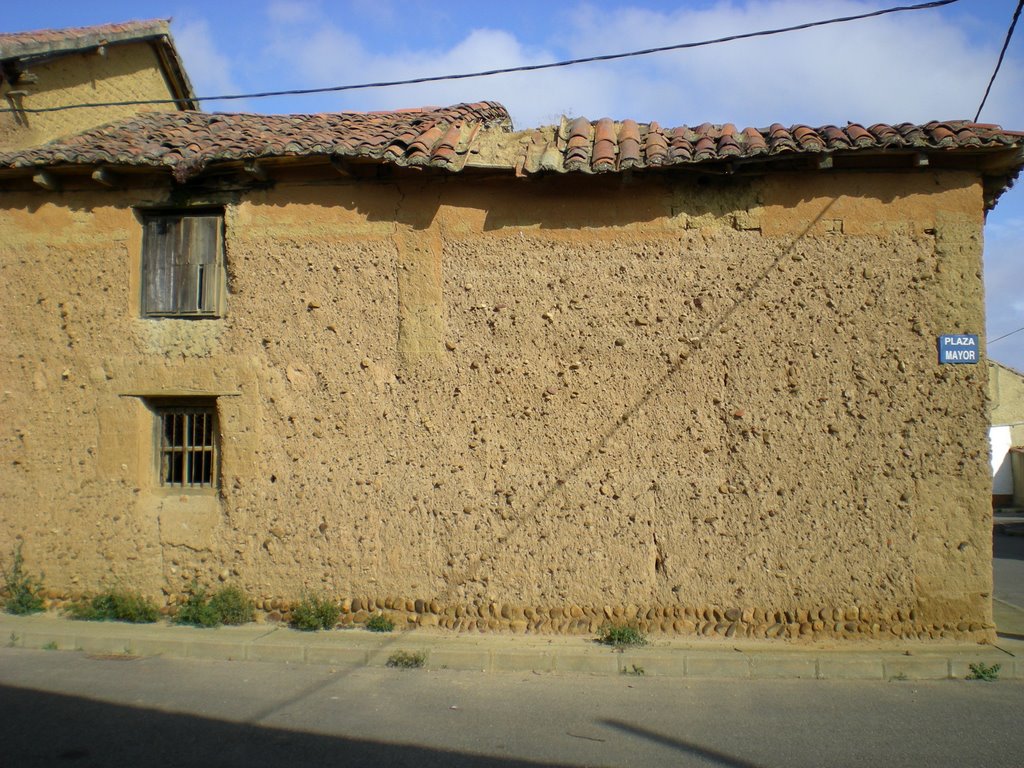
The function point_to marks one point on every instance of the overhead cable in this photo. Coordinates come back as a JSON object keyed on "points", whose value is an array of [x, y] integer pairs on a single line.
{"points": [[503, 71], [1000, 338], [999, 63]]}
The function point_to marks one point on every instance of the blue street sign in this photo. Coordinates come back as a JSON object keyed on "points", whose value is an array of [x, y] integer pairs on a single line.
{"points": [[959, 349]]}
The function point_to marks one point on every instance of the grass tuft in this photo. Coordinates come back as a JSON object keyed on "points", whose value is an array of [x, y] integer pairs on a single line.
{"points": [[985, 672], [380, 623], [228, 605], [407, 659], [314, 612], [115, 605], [197, 611], [23, 592], [620, 636]]}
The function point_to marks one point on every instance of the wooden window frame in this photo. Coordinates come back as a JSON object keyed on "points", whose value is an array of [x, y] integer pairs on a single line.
{"points": [[187, 444], [182, 269]]}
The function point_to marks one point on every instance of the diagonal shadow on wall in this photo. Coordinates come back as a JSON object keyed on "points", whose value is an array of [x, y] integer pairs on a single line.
{"points": [[623, 419]]}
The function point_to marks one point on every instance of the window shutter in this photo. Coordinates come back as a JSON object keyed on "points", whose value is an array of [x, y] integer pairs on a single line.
{"points": [[158, 277], [204, 248], [182, 265]]}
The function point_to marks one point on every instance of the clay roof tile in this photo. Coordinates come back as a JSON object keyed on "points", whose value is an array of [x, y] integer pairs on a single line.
{"points": [[807, 138], [835, 138], [579, 144], [605, 146], [655, 145], [629, 145], [754, 141], [188, 142], [859, 135]]}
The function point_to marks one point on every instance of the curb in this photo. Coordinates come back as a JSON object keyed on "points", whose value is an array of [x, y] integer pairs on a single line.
{"points": [[356, 648]]}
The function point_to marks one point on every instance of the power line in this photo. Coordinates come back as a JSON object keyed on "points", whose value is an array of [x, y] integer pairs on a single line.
{"points": [[999, 62], [1000, 338], [504, 71]]}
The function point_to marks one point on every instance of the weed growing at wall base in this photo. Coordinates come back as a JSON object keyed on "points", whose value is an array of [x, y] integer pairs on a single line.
{"points": [[228, 605], [314, 612], [197, 611], [620, 636], [233, 605], [116, 605], [22, 590], [380, 623]]}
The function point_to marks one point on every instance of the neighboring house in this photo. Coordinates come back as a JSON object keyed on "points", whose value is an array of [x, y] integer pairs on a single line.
{"points": [[1006, 413], [506, 380], [107, 63]]}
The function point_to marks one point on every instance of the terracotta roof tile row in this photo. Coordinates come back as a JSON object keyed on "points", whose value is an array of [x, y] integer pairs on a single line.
{"points": [[188, 142], [596, 147], [477, 135], [41, 41]]}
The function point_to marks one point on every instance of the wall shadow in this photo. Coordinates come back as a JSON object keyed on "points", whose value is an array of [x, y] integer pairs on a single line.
{"points": [[46, 729], [686, 747], [1007, 547]]}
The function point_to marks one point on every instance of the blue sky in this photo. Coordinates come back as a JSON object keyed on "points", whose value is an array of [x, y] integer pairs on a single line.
{"points": [[914, 66]]}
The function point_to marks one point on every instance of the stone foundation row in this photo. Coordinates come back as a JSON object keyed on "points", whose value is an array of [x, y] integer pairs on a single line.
{"points": [[685, 621]]}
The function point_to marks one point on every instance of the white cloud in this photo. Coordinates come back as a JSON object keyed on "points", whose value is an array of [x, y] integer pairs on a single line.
{"points": [[208, 68], [904, 67], [914, 66], [292, 12]]}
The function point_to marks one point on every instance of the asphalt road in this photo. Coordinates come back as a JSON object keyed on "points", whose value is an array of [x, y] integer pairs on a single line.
{"points": [[66, 709], [1008, 570]]}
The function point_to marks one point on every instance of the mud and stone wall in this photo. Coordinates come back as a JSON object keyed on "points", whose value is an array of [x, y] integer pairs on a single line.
{"points": [[709, 407], [1006, 399], [126, 72]]}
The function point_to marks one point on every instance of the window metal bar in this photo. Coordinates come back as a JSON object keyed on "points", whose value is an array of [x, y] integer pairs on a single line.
{"points": [[188, 447]]}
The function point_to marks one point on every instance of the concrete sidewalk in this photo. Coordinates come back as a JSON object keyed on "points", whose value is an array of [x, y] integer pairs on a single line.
{"points": [[670, 657]]}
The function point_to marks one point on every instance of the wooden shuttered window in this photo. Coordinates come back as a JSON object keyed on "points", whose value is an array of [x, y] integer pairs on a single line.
{"points": [[182, 265]]}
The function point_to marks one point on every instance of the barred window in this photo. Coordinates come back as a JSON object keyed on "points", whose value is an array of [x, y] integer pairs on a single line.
{"points": [[188, 446], [182, 264]]}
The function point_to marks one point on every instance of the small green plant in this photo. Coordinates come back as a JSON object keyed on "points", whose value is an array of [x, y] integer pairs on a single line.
{"points": [[197, 611], [22, 590], [380, 623], [314, 612], [228, 605], [233, 605], [982, 671], [407, 659], [620, 636], [116, 605], [636, 671], [50, 646], [899, 677]]}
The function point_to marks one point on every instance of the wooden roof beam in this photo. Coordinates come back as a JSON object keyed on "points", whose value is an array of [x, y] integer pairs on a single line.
{"points": [[47, 181], [256, 169], [105, 176]]}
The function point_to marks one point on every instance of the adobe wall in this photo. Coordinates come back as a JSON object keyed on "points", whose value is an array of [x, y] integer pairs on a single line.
{"points": [[524, 405], [1006, 399], [127, 72]]}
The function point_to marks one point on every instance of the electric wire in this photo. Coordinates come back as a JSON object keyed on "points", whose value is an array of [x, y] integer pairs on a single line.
{"points": [[1000, 338], [503, 71], [999, 62]]}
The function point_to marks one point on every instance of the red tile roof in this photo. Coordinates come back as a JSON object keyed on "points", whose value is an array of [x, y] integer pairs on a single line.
{"points": [[40, 41], [50, 42], [596, 147], [189, 141], [480, 135]]}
